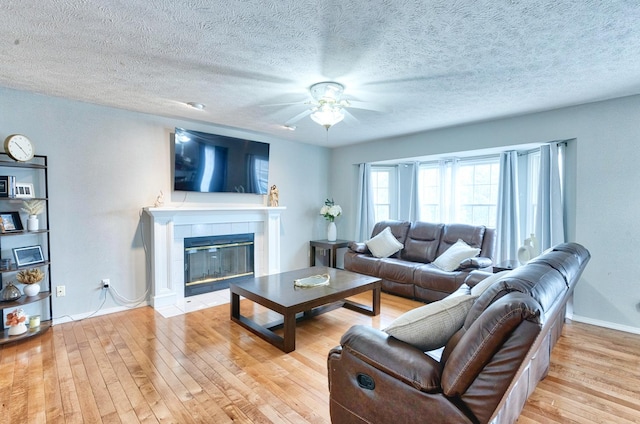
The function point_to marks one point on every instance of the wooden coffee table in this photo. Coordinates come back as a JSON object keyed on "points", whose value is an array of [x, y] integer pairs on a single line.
{"points": [[278, 293]]}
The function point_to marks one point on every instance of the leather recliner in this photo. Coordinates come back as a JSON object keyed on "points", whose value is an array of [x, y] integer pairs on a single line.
{"points": [[488, 368]]}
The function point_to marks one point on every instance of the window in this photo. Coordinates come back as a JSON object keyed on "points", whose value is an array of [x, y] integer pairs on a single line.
{"points": [[430, 192], [384, 192], [454, 190], [460, 190], [476, 192]]}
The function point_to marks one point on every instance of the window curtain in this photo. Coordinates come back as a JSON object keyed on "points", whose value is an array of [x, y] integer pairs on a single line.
{"points": [[365, 218], [409, 202], [451, 169], [508, 216], [549, 223]]}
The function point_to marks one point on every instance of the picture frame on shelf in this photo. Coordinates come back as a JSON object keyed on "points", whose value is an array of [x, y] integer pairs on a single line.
{"points": [[7, 185], [29, 255], [10, 222], [24, 191]]}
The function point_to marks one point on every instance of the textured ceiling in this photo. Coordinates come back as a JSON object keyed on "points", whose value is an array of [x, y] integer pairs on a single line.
{"points": [[419, 64]]}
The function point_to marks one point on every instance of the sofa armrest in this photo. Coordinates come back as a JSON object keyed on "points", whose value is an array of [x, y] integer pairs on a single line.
{"points": [[476, 263], [358, 247], [475, 277], [393, 357]]}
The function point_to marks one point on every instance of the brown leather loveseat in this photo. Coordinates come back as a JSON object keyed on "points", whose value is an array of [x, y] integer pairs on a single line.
{"points": [[488, 368], [410, 272]]}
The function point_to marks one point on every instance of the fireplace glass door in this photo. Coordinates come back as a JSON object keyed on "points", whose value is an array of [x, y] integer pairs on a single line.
{"points": [[214, 261]]}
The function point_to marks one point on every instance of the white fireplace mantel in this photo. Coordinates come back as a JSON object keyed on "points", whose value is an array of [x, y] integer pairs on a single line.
{"points": [[171, 225]]}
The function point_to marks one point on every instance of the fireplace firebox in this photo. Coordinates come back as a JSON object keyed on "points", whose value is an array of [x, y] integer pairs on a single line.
{"points": [[212, 262]]}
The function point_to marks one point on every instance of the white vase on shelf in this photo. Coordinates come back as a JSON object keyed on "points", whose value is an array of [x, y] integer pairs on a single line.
{"points": [[31, 289], [332, 231], [16, 330], [32, 223]]}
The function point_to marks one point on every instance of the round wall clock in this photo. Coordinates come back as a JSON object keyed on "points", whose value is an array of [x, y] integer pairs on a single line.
{"points": [[19, 147]]}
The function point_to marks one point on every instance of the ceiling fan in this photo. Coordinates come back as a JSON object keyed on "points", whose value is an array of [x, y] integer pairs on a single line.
{"points": [[328, 105]]}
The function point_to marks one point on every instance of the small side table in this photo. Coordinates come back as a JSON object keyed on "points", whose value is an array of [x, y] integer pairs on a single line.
{"points": [[333, 246], [505, 266]]}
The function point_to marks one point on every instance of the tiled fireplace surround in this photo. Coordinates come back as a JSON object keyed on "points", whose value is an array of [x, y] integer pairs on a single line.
{"points": [[170, 226]]}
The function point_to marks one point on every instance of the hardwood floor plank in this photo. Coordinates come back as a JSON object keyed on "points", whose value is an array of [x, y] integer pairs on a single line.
{"points": [[35, 391], [138, 367]]}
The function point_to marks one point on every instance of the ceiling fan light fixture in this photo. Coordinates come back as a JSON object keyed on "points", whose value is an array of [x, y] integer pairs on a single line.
{"points": [[330, 92], [328, 115], [194, 105]]}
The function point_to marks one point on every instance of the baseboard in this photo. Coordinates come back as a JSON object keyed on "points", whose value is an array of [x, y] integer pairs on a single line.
{"points": [[606, 324], [79, 317]]}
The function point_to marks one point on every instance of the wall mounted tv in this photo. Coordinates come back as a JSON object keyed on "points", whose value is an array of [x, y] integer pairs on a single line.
{"points": [[211, 163]]}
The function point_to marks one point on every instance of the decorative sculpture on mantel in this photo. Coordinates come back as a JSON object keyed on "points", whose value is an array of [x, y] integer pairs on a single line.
{"points": [[274, 196], [159, 200]]}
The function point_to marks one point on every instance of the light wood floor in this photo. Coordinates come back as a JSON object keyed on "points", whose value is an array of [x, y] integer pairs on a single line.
{"points": [[137, 366]]}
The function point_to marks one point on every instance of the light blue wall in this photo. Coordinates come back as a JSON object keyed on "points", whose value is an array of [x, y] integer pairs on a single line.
{"points": [[106, 164], [603, 202]]}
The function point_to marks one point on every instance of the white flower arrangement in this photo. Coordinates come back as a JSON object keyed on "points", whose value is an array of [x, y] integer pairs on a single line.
{"points": [[33, 206], [330, 210]]}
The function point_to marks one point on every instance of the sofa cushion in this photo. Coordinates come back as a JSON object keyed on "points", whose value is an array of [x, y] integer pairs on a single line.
{"points": [[458, 252], [397, 270], [479, 343], [384, 244], [429, 276], [361, 263], [430, 326], [471, 234], [422, 242]]}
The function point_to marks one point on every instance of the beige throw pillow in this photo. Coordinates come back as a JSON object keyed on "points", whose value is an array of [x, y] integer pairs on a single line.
{"points": [[384, 244], [430, 326], [458, 252]]}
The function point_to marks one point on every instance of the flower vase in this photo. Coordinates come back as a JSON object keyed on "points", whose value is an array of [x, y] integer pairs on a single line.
{"points": [[31, 289], [32, 223], [16, 330], [332, 232]]}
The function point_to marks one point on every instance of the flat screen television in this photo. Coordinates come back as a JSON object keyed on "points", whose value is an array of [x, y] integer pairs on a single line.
{"points": [[211, 163]]}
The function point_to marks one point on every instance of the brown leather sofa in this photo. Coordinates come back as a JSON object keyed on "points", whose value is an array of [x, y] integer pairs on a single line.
{"points": [[409, 272], [488, 368]]}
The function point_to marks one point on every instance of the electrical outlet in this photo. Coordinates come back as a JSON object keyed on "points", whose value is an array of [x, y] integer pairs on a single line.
{"points": [[105, 283], [61, 291]]}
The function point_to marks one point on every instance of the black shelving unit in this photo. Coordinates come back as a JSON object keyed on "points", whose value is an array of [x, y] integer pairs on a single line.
{"points": [[35, 172]]}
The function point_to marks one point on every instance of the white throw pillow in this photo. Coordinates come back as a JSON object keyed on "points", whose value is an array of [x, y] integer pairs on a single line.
{"points": [[430, 326], [458, 252], [479, 288], [384, 244]]}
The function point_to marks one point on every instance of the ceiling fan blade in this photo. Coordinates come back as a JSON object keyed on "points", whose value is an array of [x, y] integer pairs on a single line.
{"points": [[348, 117], [297, 117], [423, 78], [302, 102], [366, 106]]}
